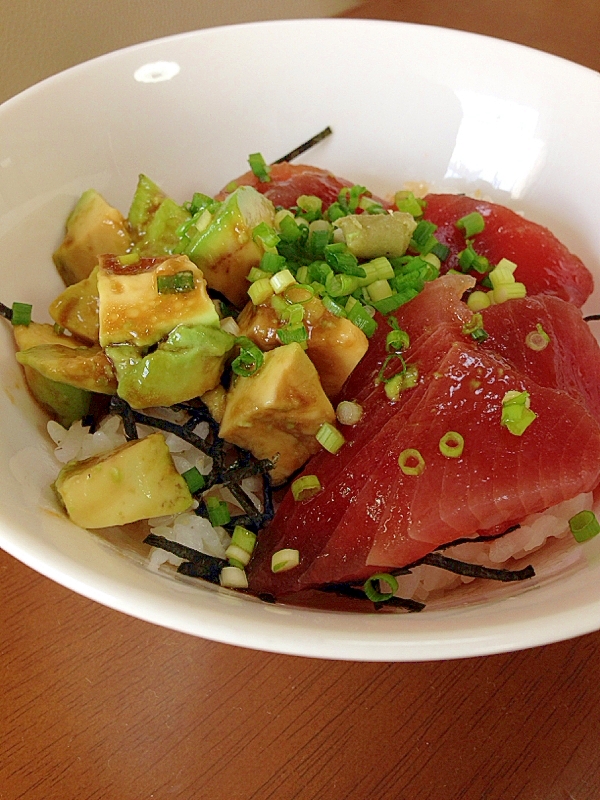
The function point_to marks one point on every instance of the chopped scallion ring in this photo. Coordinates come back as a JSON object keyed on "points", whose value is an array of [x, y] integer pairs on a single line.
{"points": [[538, 339], [348, 413], [283, 560], [21, 314], [584, 526], [472, 224], [194, 479], [452, 444], [377, 596], [282, 280], [233, 578], [180, 282], [330, 438], [305, 487], [250, 359], [242, 546], [259, 167], [218, 511], [293, 333], [516, 414], [411, 462]]}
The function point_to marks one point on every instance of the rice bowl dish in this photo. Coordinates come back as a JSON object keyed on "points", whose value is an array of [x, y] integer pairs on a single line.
{"points": [[450, 623]]}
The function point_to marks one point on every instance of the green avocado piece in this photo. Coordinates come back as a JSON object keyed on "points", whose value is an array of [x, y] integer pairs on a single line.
{"points": [[187, 364], [76, 309], [61, 401], [146, 200], [136, 481], [92, 229], [83, 367], [225, 250], [373, 235], [161, 234]]}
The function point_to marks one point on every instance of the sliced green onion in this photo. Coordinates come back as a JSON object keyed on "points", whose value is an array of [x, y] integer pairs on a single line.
{"points": [[471, 224], [281, 280], [293, 314], [330, 438], [310, 206], [376, 270], [406, 379], [452, 445], [21, 314], [259, 167], [538, 339], [335, 211], [584, 526], [233, 578], [305, 487], [218, 511], [260, 291], [341, 259], [396, 341], [358, 315], [257, 274], [341, 285], [389, 304], [478, 300], [516, 414], [250, 359], [501, 276], [292, 333], [348, 413], [474, 328], [194, 479], [442, 251], [231, 187], [128, 258], [299, 292], [302, 275], [377, 596], [179, 283], [271, 263], [411, 462], [514, 291], [241, 547], [407, 202], [289, 229], [278, 302], [333, 306], [283, 560], [267, 236], [379, 290], [469, 259]]}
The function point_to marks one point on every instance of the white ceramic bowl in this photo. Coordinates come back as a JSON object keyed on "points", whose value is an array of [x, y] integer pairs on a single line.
{"points": [[406, 103]]}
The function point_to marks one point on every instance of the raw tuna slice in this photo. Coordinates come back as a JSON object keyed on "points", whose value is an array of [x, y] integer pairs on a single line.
{"points": [[500, 478], [289, 181], [545, 265], [308, 525], [571, 359], [438, 304]]}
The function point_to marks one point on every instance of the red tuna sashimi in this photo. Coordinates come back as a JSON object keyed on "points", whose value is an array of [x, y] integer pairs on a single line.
{"points": [[438, 304], [289, 181], [307, 525], [500, 477], [545, 265], [571, 359]]}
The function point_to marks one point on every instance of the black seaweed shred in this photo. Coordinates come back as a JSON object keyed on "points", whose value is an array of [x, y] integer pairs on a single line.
{"points": [[196, 564], [6, 312], [353, 592], [591, 317], [476, 570], [298, 151]]}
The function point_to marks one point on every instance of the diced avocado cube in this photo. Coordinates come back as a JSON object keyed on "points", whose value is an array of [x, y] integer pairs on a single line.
{"points": [[277, 412], [135, 481], [76, 309], [147, 198], [187, 364], [373, 235], [134, 311], [225, 250], [83, 367], [93, 228], [335, 345], [64, 403]]}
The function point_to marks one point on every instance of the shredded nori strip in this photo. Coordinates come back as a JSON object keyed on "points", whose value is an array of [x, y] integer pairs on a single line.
{"points": [[591, 317], [200, 564], [6, 312], [305, 146], [476, 570], [348, 590]]}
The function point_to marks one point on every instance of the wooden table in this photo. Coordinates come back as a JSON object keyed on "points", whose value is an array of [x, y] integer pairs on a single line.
{"points": [[98, 706]]}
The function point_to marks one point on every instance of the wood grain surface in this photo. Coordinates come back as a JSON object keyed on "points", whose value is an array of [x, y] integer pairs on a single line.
{"points": [[98, 706]]}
